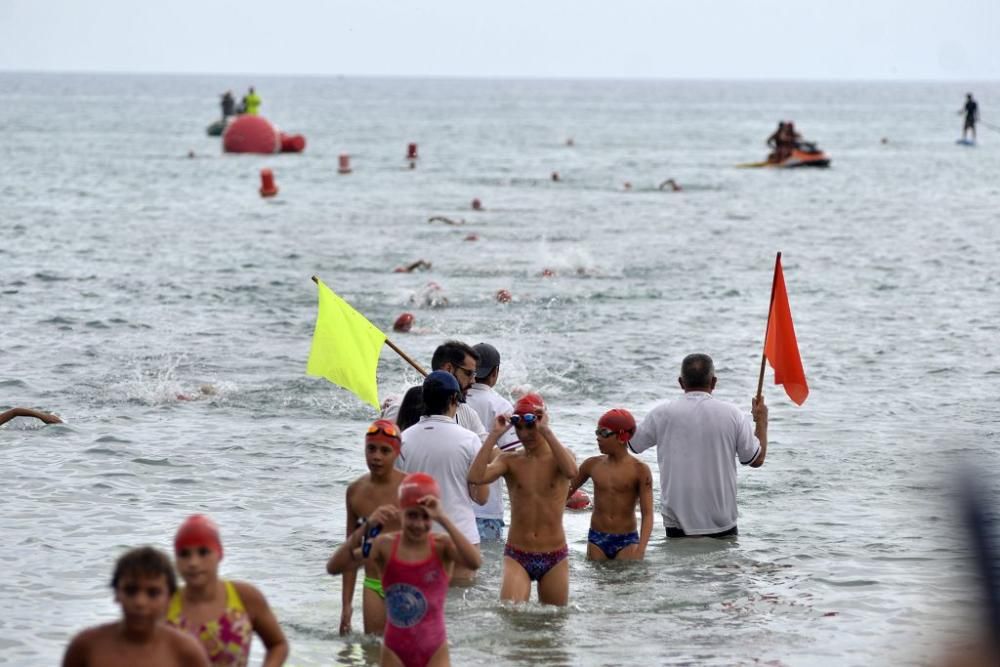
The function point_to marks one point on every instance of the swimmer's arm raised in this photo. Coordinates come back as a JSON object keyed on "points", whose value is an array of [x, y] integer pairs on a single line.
{"points": [[28, 412], [482, 471], [460, 549], [564, 460]]}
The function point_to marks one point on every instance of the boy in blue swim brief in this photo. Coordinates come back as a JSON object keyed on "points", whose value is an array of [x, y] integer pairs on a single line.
{"points": [[620, 482]]}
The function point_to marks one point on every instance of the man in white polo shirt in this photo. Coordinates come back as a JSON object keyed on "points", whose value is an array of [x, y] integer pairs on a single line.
{"points": [[438, 446], [698, 441], [487, 403]]}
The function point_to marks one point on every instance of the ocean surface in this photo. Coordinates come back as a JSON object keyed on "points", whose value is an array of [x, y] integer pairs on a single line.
{"points": [[131, 274]]}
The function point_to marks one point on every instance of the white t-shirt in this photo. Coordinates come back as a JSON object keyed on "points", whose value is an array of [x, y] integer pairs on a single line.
{"points": [[698, 441], [488, 404], [444, 450]]}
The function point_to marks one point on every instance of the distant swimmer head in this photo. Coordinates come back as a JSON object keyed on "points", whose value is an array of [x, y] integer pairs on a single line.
{"points": [[198, 531], [503, 296], [477, 205], [416, 486], [619, 421], [403, 323], [386, 432]]}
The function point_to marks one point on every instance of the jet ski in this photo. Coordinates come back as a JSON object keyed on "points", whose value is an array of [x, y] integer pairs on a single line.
{"points": [[805, 154]]}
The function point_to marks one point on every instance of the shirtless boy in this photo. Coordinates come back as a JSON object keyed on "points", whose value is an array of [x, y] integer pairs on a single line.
{"points": [[620, 481], [538, 481], [143, 582], [367, 493]]}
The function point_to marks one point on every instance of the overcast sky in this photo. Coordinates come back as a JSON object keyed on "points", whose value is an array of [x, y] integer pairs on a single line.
{"points": [[745, 39]]}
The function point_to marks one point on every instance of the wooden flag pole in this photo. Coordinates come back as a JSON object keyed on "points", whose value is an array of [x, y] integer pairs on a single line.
{"points": [[767, 328], [407, 358]]}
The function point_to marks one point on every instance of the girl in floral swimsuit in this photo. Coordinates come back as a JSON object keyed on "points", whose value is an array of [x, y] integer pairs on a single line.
{"points": [[222, 615]]}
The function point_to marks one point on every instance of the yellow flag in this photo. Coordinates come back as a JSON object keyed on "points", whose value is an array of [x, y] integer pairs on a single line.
{"points": [[345, 347]]}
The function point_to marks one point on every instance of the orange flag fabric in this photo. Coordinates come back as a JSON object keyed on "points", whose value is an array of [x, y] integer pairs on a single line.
{"points": [[781, 347]]}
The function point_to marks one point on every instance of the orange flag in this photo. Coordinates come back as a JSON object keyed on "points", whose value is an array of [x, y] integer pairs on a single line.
{"points": [[781, 348]]}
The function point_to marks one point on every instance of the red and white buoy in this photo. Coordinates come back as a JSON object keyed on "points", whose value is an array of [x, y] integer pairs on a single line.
{"points": [[267, 186], [344, 164]]}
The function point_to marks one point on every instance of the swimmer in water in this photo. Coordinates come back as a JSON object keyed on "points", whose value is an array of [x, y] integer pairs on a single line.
{"points": [[416, 565], [447, 221], [28, 412], [222, 615], [413, 266], [143, 582], [620, 482], [672, 184], [371, 500]]}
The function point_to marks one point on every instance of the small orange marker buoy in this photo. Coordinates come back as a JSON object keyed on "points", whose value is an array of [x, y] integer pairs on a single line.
{"points": [[477, 205], [503, 296], [471, 237], [267, 186], [411, 152], [344, 164], [403, 323]]}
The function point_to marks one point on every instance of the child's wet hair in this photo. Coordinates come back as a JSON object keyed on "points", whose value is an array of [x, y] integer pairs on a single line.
{"points": [[145, 561]]}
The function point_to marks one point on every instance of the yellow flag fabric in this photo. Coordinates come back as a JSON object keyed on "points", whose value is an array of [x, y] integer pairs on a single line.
{"points": [[345, 347]]}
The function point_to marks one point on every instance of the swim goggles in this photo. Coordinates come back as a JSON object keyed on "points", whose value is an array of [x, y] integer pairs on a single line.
{"points": [[370, 534], [528, 418], [375, 430], [604, 432]]}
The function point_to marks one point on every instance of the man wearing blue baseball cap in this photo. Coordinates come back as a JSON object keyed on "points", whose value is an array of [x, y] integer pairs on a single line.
{"points": [[440, 447]]}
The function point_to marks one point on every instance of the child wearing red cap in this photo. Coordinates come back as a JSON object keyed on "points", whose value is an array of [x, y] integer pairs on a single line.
{"points": [[221, 614], [365, 495], [416, 566], [620, 481], [538, 478], [143, 582]]}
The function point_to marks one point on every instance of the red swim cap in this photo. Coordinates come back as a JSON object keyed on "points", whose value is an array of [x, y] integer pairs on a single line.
{"points": [[403, 323], [620, 421], [198, 531], [386, 432], [415, 486], [529, 403]]}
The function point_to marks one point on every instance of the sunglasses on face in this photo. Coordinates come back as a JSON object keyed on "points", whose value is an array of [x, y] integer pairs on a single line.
{"points": [[468, 372], [604, 432], [375, 430], [528, 418]]}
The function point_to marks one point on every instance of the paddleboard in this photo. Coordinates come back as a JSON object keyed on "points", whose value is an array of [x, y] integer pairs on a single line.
{"points": [[965, 142]]}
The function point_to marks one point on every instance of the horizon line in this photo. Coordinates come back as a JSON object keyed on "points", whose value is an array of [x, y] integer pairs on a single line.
{"points": [[496, 77]]}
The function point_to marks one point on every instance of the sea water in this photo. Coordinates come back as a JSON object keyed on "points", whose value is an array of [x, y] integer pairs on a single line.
{"points": [[131, 275]]}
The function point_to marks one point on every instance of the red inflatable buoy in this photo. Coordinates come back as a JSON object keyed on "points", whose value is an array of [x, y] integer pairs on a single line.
{"points": [[251, 134], [267, 186], [292, 143], [579, 500]]}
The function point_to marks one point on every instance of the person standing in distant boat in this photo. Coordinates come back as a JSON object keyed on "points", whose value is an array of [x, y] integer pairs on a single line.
{"points": [[252, 102], [228, 104], [971, 111]]}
